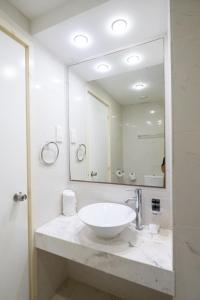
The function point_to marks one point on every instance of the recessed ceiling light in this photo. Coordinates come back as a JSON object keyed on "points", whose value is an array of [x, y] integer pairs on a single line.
{"points": [[152, 112], [133, 59], [139, 86], [80, 40], [119, 26], [103, 67], [159, 122]]}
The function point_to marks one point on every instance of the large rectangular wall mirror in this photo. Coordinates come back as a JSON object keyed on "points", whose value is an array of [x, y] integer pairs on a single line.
{"points": [[117, 117]]}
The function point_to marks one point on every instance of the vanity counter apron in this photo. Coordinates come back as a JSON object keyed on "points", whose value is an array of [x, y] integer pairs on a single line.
{"points": [[136, 256]]}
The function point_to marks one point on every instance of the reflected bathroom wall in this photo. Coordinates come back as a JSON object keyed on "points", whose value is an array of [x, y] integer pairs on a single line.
{"points": [[143, 135], [116, 117]]}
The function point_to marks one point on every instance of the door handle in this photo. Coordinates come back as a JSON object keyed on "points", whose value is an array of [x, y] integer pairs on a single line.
{"points": [[19, 197], [93, 174]]}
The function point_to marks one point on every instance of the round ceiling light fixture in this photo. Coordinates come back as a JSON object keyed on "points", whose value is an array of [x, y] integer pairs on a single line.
{"points": [[139, 86], [80, 40], [119, 26], [133, 59], [103, 67]]}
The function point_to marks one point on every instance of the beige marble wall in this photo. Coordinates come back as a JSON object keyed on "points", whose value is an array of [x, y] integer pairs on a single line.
{"points": [[185, 29]]}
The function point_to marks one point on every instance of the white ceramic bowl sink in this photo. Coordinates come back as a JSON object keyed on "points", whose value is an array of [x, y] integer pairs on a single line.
{"points": [[107, 219]]}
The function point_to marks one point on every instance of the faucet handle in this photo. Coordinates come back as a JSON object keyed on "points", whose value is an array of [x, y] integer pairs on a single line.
{"points": [[130, 199], [134, 189]]}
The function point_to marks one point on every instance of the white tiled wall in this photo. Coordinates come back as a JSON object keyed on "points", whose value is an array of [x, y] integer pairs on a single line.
{"points": [[48, 109]]}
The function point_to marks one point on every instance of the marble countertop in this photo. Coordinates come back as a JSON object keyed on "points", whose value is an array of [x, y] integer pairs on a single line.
{"points": [[137, 256]]}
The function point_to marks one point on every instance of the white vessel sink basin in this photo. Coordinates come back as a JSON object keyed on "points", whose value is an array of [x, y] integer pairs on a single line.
{"points": [[107, 219]]}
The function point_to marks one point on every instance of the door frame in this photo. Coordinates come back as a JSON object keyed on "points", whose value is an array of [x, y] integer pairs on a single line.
{"points": [[109, 129], [14, 36]]}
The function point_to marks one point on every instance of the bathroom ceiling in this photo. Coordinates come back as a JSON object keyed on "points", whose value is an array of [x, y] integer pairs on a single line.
{"points": [[146, 19], [151, 54], [33, 9], [119, 87], [118, 81], [55, 22]]}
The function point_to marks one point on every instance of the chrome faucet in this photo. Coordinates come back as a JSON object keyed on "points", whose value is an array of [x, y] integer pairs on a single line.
{"points": [[138, 208]]}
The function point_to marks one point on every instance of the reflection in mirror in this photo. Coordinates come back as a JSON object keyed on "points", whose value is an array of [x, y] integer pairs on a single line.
{"points": [[116, 117]]}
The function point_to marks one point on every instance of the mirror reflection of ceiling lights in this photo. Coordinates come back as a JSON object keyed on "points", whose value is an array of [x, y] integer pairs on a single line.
{"points": [[118, 27], [81, 40], [133, 59], [138, 86], [103, 67]]}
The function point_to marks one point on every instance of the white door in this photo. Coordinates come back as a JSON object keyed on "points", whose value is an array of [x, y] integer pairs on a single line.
{"points": [[98, 139], [13, 172]]}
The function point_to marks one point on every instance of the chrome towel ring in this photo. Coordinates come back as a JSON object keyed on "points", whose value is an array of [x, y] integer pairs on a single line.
{"points": [[81, 152], [44, 153]]}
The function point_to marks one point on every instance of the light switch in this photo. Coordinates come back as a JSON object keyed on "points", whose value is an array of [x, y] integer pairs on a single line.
{"points": [[73, 136], [59, 134]]}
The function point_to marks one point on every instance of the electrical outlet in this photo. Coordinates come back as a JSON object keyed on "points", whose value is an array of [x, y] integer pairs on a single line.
{"points": [[155, 205]]}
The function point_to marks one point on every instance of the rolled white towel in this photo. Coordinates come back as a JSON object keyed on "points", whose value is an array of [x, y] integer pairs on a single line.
{"points": [[119, 173], [132, 176]]}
